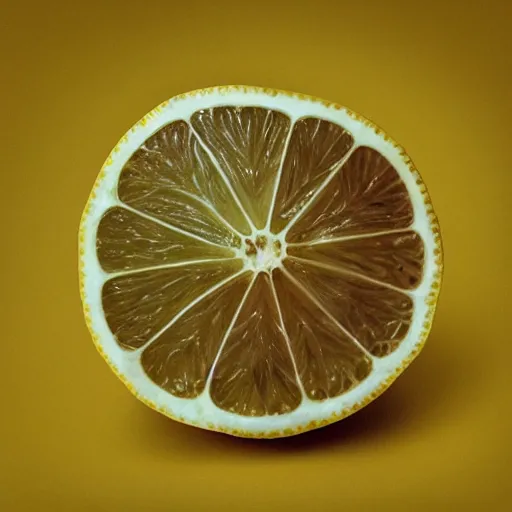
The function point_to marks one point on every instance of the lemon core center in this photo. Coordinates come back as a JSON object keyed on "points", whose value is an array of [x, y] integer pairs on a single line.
{"points": [[263, 252]]}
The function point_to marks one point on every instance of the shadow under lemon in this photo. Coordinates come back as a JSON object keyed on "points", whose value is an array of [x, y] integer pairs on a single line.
{"points": [[425, 394]]}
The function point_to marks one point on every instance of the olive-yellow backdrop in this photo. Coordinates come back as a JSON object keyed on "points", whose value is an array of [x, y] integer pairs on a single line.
{"points": [[76, 76]]}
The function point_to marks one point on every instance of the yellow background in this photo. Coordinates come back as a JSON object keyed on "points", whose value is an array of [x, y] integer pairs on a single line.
{"points": [[74, 78]]}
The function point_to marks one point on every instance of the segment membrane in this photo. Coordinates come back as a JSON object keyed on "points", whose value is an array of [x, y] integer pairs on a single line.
{"points": [[366, 195], [329, 363], [248, 143], [394, 258], [254, 375], [180, 360], [316, 148], [137, 306], [186, 311], [171, 177], [378, 317], [127, 241]]}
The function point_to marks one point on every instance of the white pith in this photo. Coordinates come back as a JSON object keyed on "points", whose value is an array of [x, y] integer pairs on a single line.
{"points": [[267, 257], [202, 411]]}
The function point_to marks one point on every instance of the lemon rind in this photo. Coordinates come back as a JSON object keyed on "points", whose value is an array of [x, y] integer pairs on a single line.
{"points": [[430, 300]]}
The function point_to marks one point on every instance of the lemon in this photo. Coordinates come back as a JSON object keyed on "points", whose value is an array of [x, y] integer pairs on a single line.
{"points": [[258, 262]]}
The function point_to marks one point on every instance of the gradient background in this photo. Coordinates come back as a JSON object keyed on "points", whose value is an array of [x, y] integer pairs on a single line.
{"points": [[74, 78]]}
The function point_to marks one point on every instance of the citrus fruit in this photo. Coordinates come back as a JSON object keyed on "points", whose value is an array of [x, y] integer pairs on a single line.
{"points": [[258, 262]]}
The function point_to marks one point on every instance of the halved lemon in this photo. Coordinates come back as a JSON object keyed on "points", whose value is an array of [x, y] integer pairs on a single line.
{"points": [[258, 262]]}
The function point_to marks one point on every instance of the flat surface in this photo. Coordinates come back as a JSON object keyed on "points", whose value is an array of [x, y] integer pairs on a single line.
{"points": [[75, 78]]}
